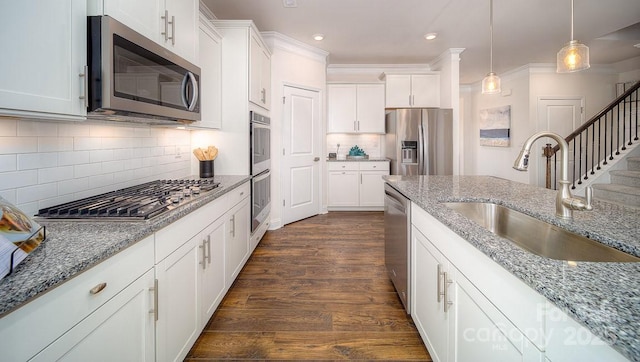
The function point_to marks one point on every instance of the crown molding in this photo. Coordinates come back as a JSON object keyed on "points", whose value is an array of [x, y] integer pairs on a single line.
{"points": [[280, 41]]}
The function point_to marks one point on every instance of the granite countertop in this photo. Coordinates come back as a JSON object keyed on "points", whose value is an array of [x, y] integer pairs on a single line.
{"points": [[371, 159], [603, 297], [74, 246]]}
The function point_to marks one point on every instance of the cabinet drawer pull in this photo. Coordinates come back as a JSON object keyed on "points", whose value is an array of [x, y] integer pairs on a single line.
{"points": [[98, 288], [85, 81], [447, 282], [154, 290], [204, 255], [439, 291], [209, 249]]}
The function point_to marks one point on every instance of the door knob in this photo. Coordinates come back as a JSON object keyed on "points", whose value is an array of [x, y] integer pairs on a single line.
{"points": [[316, 159]]}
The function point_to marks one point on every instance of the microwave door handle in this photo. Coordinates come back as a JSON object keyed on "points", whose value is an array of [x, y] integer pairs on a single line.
{"points": [[189, 78]]}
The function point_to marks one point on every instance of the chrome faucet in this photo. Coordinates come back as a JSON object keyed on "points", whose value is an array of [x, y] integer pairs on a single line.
{"points": [[565, 202]]}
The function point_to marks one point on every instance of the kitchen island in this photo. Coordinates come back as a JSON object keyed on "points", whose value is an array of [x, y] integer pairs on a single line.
{"points": [[602, 297]]}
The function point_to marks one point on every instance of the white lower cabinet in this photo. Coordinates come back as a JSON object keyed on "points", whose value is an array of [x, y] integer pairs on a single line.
{"points": [[428, 308], [178, 324], [193, 278], [468, 308], [88, 313], [149, 302], [237, 239], [356, 185], [343, 188], [212, 277], [101, 336], [454, 318]]}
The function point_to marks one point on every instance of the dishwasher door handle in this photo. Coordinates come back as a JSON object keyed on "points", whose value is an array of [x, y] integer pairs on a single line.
{"points": [[394, 201]]}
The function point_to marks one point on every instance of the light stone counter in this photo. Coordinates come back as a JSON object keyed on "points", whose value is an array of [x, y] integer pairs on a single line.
{"points": [[604, 297], [72, 247]]}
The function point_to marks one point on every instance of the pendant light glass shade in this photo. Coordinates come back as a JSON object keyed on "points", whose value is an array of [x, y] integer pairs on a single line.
{"points": [[491, 83], [574, 56]]}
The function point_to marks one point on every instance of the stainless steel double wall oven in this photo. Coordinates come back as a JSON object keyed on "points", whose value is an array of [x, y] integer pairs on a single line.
{"points": [[260, 141]]}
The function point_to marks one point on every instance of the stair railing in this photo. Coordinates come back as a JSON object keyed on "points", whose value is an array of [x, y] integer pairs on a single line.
{"points": [[599, 140]]}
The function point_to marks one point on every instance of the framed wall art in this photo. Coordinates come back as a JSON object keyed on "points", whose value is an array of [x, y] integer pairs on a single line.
{"points": [[495, 126]]}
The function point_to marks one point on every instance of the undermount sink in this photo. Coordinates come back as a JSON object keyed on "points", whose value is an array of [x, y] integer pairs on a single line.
{"points": [[536, 236]]}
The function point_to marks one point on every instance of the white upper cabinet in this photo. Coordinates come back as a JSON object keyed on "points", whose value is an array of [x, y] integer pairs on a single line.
{"points": [[43, 60], [171, 23], [259, 72], [355, 108], [412, 90], [210, 79]]}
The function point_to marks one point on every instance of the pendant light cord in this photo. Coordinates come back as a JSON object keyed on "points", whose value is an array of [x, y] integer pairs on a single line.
{"points": [[571, 20], [491, 35]]}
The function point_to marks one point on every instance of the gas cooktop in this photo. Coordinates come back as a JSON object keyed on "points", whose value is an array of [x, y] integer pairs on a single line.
{"points": [[140, 202]]}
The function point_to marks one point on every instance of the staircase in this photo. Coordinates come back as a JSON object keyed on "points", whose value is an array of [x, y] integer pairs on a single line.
{"points": [[624, 188], [606, 152]]}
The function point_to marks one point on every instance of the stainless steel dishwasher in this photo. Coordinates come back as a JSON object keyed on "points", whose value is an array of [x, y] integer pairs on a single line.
{"points": [[397, 222]]}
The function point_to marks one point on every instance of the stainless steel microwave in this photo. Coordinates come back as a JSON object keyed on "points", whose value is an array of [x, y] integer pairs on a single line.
{"points": [[132, 78]]}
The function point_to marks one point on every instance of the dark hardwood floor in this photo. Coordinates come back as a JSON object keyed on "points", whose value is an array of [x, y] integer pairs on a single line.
{"points": [[314, 290]]}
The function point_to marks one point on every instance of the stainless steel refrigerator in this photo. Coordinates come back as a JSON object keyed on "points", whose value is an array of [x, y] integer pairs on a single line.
{"points": [[419, 141]]}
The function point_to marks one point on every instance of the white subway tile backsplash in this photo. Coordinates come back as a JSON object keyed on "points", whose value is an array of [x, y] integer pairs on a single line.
{"points": [[117, 142], [122, 154], [370, 143], [8, 127], [156, 151], [143, 172], [108, 130], [86, 170], [53, 174], [30, 208], [123, 176], [29, 161], [101, 180], [8, 163], [46, 163], [55, 144], [12, 180], [112, 166], [73, 158], [73, 130], [100, 156], [71, 186], [87, 143], [9, 195], [36, 192], [133, 163], [18, 144], [38, 129]]}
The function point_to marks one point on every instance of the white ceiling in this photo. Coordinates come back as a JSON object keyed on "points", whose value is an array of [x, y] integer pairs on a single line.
{"points": [[391, 31]]}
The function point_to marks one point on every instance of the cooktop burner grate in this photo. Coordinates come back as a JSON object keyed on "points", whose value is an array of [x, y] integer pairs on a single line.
{"points": [[140, 202]]}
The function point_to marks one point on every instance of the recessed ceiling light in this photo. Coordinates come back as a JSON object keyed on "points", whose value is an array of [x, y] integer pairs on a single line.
{"points": [[290, 3], [318, 37], [430, 36]]}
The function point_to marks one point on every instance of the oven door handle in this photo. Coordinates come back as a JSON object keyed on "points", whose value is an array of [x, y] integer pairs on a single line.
{"points": [[262, 176]]}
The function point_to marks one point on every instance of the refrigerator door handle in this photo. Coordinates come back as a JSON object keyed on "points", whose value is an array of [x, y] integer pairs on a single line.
{"points": [[421, 144]]}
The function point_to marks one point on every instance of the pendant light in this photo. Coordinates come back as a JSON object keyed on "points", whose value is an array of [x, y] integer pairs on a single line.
{"points": [[491, 83], [574, 56]]}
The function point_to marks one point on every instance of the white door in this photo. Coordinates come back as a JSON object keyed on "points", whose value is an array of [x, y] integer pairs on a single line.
{"points": [[561, 116], [301, 136]]}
